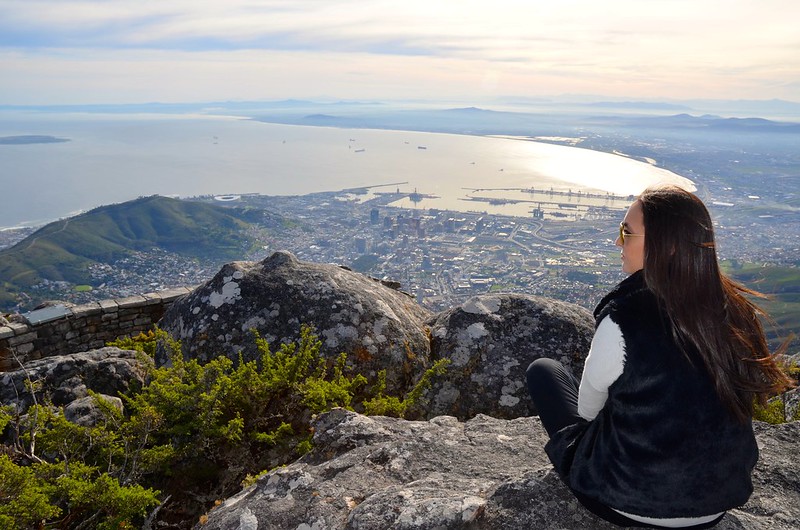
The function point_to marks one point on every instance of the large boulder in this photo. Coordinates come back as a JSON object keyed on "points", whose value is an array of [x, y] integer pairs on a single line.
{"points": [[374, 473], [377, 326], [67, 379], [491, 340]]}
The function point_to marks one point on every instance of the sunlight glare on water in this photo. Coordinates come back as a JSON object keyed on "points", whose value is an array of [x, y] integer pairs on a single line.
{"points": [[593, 169]]}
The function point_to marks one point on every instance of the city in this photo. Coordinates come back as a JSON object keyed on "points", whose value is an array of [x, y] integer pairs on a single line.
{"points": [[443, 257], [439, 257]]}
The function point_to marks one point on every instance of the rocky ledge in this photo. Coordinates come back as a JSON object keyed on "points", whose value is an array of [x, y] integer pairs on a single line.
{"points": [[370, 473]]}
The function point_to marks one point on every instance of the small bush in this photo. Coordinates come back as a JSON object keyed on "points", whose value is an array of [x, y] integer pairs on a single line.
{"points": [[383, 405], [775, 411], [43, 491], [24, 499], [144, 342], [194, 432]]}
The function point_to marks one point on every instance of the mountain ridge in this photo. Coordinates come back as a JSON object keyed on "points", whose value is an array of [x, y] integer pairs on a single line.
{"points": [[63, 250]]}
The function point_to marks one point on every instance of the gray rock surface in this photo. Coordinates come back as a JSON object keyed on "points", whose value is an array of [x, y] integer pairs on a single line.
{"points": [[67, 378], [491, 340], [85, 411], [379, 327], [792, 401], [376, 473]]}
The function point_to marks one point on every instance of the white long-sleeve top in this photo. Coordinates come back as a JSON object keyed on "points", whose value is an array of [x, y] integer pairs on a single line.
{"points": [[603, 366]]}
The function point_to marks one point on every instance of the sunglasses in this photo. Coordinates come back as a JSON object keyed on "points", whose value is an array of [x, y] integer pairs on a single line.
{"points": [[623, 233]]}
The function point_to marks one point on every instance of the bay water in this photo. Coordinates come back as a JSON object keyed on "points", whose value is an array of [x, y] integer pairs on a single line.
{"points": [[115, 158]]}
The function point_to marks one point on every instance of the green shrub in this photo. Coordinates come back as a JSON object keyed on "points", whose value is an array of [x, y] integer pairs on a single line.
{"points": [[30, 495], [5, 417], [383, 405], [775, 411], [24, 499], [191, 431], [144, 342]]}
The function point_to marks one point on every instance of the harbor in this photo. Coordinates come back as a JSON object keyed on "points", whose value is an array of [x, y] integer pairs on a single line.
{"points": [[546, 203], [569, 193]]}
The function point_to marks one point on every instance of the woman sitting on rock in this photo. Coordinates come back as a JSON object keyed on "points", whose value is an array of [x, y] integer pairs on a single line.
{"points": [[658, 433]]}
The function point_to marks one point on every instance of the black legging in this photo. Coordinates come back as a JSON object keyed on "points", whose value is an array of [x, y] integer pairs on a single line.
{"points": [[554, 391]]}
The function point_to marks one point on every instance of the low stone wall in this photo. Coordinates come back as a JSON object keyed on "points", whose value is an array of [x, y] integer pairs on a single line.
{"points": [[61, 330]]}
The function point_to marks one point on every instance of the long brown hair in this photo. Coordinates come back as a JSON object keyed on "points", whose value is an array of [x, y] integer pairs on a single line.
{"points": [[708, 311]]}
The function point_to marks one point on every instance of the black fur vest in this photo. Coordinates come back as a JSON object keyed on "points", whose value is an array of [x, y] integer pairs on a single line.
{"points": [[663, 445]]}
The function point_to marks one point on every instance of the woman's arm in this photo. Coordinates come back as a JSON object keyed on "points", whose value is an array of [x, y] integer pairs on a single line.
{"points": [[603, 366]]}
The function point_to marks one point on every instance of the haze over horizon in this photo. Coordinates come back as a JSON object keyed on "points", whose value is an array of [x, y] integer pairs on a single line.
{"points": [[89, 52]]}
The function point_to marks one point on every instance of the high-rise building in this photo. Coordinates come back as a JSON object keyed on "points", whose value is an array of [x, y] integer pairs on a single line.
{"points": [[361, 245]]}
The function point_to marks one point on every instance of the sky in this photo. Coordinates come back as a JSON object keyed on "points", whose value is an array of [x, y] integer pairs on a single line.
{"points": [[121, 51]]}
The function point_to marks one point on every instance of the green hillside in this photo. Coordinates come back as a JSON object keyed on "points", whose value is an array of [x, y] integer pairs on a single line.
{"points": [[782, 284], [62, 251]]}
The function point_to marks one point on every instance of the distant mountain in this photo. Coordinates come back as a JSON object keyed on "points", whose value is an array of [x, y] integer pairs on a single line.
{"points": [[755, 125], [774, 108], [482, 121], [63, 250], [322, 117], [468, 120], [707, 121], [470, 110], [557, 116], [639, 105], [30, 139]]}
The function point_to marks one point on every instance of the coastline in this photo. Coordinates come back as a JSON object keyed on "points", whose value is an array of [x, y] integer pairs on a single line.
{"points": [[181, 155]]}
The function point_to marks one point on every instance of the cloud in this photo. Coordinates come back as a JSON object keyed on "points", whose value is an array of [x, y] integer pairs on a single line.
{"points": [[683, 46]]}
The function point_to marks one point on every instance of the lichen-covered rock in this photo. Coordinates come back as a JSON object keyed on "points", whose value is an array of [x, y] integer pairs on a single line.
{"points": [[370, 473], [378, 327], [86, 412], [775, 502], [67, 378], [491, 340], [792, 402]]}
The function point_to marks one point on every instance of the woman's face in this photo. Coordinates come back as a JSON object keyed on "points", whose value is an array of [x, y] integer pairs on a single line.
{"points": [[633, 247]]}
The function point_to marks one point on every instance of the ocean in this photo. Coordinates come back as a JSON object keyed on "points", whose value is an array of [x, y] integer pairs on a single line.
{"points": [[115, 158]]}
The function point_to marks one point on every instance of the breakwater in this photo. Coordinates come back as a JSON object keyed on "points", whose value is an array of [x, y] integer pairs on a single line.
{"points": [[60, 330]]}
